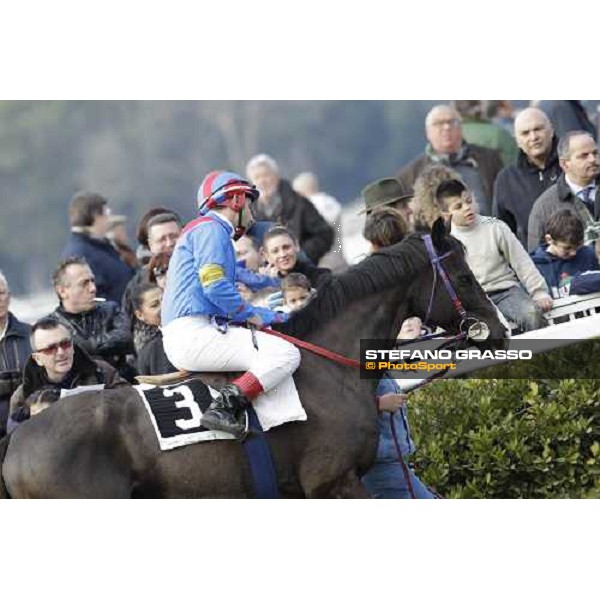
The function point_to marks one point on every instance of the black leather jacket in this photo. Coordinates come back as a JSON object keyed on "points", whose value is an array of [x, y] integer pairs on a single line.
{"points": [[102, 332]]}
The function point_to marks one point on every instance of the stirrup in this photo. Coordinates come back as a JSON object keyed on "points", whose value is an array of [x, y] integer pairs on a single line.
{"points": [[226, 413]]}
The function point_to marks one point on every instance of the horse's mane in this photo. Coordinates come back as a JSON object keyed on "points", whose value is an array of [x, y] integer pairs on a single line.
{"points": [[388, 268]]}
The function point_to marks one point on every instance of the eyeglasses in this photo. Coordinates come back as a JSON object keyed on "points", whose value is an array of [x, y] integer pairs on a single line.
{"points": [[449, 122], [53, 348]]}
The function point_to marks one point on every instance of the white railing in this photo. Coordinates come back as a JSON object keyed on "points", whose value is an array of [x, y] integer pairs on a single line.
{"points": [[572, 308], [581, 321]]}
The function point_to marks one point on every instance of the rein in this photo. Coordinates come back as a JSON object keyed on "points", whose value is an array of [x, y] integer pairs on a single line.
{"points": [[436, 263], [334, 356]]}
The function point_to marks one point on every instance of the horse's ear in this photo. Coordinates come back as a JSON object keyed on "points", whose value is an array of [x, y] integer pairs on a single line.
{"points": [[439, 233]]}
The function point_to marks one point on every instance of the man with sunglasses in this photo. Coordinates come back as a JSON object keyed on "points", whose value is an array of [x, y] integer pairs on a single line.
{"points": [[202, 308], [56, 364]]}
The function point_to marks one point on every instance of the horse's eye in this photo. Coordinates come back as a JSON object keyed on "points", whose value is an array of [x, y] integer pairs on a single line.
{"points": [[465, 279]]}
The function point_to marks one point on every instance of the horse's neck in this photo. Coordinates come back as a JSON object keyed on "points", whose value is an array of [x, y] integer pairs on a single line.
{"points": [[361, 302], [375, 317]]}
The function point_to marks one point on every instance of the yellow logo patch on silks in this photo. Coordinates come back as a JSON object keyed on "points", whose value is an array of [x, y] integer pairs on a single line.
{"points": [[210, 274]]}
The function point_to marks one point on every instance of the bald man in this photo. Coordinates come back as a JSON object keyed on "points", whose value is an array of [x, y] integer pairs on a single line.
{"points": [[537, 168], [478, 166]]}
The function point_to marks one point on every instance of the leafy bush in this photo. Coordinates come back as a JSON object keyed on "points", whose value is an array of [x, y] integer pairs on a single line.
{"points": [[509, 438]]}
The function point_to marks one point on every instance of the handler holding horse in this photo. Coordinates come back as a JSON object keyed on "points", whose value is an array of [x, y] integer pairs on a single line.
{"points": [[201, 307]]}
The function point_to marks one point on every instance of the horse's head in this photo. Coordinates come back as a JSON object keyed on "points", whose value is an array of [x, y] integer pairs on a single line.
{"points": [[457, 304], [371, 299]]}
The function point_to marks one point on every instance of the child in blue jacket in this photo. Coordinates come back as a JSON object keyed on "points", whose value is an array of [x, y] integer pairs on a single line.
{"points": [[390, 476], [566, 264]]}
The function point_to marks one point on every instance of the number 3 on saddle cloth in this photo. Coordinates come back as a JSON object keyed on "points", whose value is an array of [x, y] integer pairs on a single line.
{"points": [[175, 412]]}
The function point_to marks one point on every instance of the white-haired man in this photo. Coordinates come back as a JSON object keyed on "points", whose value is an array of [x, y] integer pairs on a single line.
{"points": [[279, 203], [477, 166]]}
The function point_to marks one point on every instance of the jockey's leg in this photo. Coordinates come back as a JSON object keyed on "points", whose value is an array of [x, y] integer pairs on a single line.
{"points": [[194, 344]]}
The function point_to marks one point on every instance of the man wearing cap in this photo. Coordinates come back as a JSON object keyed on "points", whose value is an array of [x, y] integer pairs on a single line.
{"points": [[388, 192], [202, 309]]}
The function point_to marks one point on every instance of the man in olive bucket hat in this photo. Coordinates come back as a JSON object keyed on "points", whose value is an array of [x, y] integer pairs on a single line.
{"points": [[390, 476], [388, 192]]}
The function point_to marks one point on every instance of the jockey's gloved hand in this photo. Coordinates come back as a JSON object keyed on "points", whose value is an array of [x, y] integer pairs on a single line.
{"points": [[269, 317], [275, 300]]}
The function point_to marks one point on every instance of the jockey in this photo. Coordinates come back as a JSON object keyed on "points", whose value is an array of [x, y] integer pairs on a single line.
{"points": [[202, 309]]}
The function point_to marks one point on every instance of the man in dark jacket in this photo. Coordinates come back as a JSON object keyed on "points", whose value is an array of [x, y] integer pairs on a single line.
{"points": [[577, 189], [477, 166], [56, 364], [279, 203], [100, 328], [518, 186], [14, 350], [89, 215]]}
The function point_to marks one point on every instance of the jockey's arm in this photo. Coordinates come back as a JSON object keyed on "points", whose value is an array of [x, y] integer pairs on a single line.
{"points": [[222, 293], [214, 262], [255, 281]]}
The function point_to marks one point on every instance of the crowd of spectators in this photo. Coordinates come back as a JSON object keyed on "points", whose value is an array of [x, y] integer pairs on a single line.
{"points": [[523, 205]]}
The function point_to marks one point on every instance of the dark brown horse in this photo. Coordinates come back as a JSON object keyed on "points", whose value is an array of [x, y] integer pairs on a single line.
{"points": [[102, 444]]}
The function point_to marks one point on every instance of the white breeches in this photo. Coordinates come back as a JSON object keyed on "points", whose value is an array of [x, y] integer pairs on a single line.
{"points": [[194, 344]]}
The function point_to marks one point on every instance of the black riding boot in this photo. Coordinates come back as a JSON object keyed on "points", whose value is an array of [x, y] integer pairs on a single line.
{"points": [[226, 413]]}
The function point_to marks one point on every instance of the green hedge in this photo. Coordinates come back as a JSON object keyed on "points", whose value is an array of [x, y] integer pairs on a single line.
{"points": [[509, 438]]}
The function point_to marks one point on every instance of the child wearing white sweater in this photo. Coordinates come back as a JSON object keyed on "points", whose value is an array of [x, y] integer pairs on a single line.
{"points": [[498, 260]]}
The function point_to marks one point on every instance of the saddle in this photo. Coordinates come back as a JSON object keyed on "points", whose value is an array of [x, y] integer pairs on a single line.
{"points": [[212, 379], [273, 408], [174, 431]]}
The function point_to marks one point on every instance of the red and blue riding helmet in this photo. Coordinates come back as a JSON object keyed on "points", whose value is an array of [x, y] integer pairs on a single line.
{"points": [[221, 187]]}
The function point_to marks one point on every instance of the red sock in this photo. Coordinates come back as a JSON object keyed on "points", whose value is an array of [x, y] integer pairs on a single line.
{"points": [[249, 385]]}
